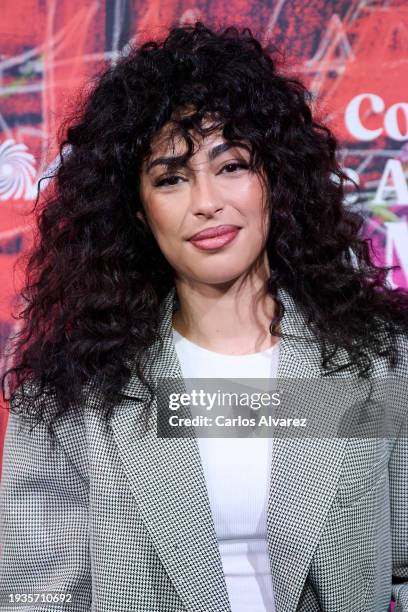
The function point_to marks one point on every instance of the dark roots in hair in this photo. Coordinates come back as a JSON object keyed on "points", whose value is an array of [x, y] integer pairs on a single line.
{"points": [[96, 277]]}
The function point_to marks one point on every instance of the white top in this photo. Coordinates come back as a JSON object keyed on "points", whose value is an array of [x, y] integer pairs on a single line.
{"points": [[237, 476]]}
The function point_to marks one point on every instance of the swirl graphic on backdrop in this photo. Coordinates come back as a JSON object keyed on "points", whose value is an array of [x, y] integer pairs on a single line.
{"points": [[17, 171]]}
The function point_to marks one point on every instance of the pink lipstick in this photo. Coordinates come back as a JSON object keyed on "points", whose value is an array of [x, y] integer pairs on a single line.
{"points": [[215, 238]]}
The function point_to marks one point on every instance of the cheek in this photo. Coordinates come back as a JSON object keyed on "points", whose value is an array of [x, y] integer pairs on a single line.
{"points": [[162, 217], [252, 203], [257, 215], [249, 191], [165, 226]]}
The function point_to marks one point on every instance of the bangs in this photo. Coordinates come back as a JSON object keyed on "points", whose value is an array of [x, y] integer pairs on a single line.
{"points": [[189, 126]]}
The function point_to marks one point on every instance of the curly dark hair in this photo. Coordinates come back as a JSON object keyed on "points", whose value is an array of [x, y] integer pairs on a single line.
{"points": [[95, 278]]}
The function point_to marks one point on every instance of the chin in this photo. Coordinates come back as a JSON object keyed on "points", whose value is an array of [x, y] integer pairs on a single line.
{"points": [[219, 278]]}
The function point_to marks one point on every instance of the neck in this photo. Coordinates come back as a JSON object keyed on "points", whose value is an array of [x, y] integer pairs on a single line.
{"points": [[231, 318]]}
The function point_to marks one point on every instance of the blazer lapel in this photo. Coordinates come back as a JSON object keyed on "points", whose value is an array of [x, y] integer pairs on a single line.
{"points": [[168, 483], [305, 471]]}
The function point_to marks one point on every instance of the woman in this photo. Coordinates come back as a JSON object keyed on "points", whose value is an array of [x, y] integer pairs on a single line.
{"points": [[199, 133]]}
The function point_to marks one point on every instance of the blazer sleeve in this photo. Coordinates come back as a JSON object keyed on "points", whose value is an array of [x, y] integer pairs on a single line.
{"points": [[44, 509], [398, 470]]}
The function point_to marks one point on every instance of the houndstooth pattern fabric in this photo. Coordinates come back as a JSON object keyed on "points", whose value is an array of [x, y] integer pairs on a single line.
{"points": [[122, 521]]}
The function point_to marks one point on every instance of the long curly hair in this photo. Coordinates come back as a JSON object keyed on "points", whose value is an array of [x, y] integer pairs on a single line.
{"points": [[95, 277]]}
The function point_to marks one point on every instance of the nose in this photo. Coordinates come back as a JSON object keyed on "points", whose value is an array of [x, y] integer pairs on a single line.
{"points": [[206, 199]]}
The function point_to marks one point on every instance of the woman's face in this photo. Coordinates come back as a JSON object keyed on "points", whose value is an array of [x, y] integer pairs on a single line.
{"points": [[215, 188]]}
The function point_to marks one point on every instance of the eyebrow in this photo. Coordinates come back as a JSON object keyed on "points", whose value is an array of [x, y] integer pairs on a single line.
{"points": [[175, 162]]}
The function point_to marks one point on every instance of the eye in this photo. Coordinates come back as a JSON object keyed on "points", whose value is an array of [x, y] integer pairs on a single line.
{"points": [[168, 180], [233, 165]]}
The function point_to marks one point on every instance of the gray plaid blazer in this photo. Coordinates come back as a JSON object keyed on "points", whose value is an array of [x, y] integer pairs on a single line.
{"points": [[123, 522]]}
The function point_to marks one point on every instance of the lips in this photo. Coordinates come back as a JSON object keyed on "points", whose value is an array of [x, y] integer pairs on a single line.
{"points": [[212, 232]]}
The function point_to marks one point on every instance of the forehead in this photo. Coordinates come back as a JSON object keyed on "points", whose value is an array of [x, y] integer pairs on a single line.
{"points": [[169, 141]]}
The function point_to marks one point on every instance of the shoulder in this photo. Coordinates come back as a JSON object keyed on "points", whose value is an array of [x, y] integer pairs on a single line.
{"points": [[66, 435], [402, 347]]}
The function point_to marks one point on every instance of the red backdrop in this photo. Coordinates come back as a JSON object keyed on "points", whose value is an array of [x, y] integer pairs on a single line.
{"points": [[352, 54]]}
